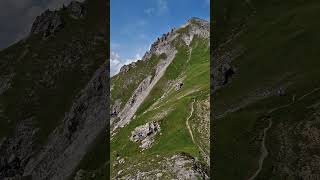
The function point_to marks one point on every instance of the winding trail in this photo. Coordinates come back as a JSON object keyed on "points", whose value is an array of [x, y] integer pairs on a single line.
{"points": [[264, 151], [190, 130], [187, 122]]}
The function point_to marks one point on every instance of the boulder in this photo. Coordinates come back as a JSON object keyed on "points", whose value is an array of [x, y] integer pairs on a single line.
{"points": [[124, 68], [178, 86], [145, 134], [115, 108]]}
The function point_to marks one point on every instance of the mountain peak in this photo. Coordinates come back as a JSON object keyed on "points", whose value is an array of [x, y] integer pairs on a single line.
{"points": [[196, 19]]}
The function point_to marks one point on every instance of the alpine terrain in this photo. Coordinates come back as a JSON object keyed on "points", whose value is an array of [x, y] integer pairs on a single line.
{"points": [[160, 109], [266, 89], [53, 97]]}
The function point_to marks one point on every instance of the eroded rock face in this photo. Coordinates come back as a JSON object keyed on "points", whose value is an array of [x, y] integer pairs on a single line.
{"points": [[145, 134], [180, 166], [115, 108], [71, 140], [133, 103], [77, 10], [222, 68], [16, 150], [124, 68], [47, 23], [5, 83], [197, 27], [186, 167]]}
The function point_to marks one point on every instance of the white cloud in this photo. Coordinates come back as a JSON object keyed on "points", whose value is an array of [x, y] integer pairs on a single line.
{"points": [[116, 62]]}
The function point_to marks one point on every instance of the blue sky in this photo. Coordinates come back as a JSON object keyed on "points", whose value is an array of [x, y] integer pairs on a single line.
{"points": [[135, 24]]}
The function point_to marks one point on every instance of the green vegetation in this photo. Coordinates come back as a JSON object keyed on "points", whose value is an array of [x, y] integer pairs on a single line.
{"points": [[174, 136], [280, 40], [125, 85]]}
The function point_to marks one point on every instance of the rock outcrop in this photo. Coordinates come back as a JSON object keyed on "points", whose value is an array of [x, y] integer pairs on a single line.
{"points": [[50, 22], [145, 134], [195, 26], [70, 141], [115, 108], [47, 23], [76, 9]]}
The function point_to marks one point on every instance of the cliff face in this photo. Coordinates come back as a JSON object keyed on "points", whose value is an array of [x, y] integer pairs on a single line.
{"points": [[160, 108], [265, 90], [53, 100]]}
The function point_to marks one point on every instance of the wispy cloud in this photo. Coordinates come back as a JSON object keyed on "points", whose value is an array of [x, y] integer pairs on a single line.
{"points": [[150, 11], [116, 62], [162, 6]]}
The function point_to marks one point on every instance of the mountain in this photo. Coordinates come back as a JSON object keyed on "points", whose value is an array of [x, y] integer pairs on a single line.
{"points": [[54, 95], [265, 88], [160, 109]]}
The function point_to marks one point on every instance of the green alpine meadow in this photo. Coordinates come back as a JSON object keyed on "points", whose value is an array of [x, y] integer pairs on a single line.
{"points": [[160, 124]]}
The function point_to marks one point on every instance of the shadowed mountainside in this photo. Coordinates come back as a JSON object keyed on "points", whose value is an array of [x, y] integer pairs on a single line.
{"points": [[53, 96], [266, 89]]}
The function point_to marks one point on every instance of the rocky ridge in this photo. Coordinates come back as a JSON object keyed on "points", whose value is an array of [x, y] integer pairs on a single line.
{"points": [[163, 45]]}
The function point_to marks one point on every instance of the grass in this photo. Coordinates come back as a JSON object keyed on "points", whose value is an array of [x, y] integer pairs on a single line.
{"points": [[280, 47], [124, 86], [174, 136]]}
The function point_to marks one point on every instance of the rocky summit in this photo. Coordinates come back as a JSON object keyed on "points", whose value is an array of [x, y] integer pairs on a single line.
{"points": [[160, 109], [53, 96]]}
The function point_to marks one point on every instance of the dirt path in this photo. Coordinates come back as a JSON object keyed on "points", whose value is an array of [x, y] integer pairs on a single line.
{"points": [[314, 90], [187, 122], [190, 130], [264, 151]]}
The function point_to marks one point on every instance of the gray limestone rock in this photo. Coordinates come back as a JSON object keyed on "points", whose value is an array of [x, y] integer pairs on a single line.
{"points": [[47, 23], [76, 9], [145, 133], [115, 108]]}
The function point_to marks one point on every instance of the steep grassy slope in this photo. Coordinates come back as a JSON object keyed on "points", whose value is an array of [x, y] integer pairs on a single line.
{"points": [[42, 78], [275, 83], [32, 60], [170, 108]]}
